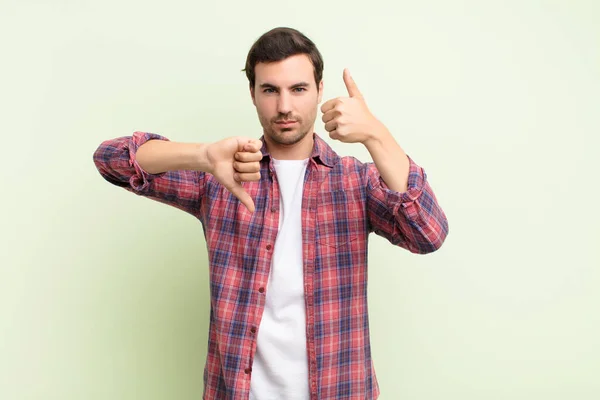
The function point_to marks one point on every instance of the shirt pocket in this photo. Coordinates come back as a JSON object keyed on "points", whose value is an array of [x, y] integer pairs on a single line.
{"points": [[340, 219]]}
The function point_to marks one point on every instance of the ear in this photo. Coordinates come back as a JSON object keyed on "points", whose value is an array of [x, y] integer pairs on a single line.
{"points": [[252, 95], [320, 92]]}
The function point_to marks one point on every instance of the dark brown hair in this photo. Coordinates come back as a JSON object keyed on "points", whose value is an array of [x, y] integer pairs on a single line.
{"points": [[279, 44]]}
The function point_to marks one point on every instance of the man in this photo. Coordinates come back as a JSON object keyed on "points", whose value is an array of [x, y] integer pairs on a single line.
{"points": [[286, 222]]}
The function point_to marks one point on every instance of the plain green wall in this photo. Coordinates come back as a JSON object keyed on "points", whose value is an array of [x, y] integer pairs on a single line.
{"points": [[104, 295]]}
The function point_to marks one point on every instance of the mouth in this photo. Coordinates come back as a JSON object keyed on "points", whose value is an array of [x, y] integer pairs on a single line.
{"points": [[286, 124]]}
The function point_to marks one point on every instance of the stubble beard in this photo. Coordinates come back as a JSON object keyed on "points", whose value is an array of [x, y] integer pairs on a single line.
{"points": [[287, 136]]}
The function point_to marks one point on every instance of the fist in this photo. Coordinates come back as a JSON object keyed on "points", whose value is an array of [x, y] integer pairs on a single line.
{"points": [[348, 119]]}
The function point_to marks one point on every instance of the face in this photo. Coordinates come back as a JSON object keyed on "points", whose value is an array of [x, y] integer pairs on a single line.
{"points": [[286, 98]]}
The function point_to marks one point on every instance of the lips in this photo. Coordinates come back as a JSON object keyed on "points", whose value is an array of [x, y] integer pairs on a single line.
{"points": [[286, 123]]}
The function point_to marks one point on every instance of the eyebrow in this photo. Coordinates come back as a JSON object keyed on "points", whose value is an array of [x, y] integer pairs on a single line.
{"points": [[271, 86]]}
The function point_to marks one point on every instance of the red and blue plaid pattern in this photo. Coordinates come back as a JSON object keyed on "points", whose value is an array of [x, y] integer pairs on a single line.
{"points": [[344, 200]]}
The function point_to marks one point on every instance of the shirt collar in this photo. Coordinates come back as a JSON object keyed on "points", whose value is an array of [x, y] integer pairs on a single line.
{"points": [[321, 153]]}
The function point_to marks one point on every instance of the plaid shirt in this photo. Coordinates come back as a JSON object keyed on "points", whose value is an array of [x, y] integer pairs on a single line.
{"points": [[343, 201]]}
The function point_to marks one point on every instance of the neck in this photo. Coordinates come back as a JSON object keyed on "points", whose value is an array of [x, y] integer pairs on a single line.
{"points": [[298, 151]]}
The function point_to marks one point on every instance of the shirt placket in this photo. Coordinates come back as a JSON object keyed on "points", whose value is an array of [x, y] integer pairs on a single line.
{"points": [[266, 247], [309, 208]]}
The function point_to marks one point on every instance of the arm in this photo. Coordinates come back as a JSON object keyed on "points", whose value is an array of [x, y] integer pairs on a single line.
{"points": [[116, 161], [411, 219], [173, 173], [400, 203], [411, 216]]}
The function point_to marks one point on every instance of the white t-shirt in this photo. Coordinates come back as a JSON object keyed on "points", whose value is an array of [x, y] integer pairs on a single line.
{"points": [[280, 367]]}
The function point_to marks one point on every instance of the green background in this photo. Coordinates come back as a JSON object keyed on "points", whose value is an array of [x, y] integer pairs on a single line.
{"points": [[104, 295]]}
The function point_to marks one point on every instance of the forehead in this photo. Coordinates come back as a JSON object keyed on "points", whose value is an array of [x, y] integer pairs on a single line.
{"points": [[289, 71]]}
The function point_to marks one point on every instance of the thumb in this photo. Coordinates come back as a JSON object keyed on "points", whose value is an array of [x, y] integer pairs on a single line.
{"points": [[238, 191], [351, 85]]}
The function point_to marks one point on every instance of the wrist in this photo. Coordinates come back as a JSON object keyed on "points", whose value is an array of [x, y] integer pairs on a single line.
{"points": [[203, 160], [378, 136]]}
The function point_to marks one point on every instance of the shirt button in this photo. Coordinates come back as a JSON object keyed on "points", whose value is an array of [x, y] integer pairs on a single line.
{"points": [[269, 247], [248, 370], [261, 290], [253, 330]]}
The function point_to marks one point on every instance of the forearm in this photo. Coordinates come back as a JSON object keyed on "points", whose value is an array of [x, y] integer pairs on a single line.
{"points": [[158, 156], [389, 158]]}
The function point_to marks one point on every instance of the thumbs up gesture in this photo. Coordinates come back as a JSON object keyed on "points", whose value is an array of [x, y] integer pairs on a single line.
{"points": [[348, 119]]}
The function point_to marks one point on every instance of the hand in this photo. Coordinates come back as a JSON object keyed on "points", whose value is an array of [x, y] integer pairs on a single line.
{"points": [[235, 160], [348, 119]]}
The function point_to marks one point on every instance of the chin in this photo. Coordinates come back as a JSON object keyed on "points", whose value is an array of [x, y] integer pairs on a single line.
{"points": [[287, 137]]}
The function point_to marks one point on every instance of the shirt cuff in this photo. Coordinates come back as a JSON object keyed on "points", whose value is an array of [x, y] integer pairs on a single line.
{"points": [[141, 179], [416, 182]]}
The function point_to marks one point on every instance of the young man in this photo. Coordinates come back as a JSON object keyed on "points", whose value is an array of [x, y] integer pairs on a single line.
{"points": [[286, 222]]}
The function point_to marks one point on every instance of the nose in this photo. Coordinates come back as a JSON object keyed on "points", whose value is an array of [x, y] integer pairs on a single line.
{"points": [[284, 103]]}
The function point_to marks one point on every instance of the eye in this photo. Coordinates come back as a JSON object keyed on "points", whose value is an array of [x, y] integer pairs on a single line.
{"points": [[299, 89], [269, 90]]}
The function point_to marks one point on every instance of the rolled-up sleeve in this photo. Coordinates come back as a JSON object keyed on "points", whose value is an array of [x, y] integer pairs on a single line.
{"points": [[115, 160], [413, 219]]}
